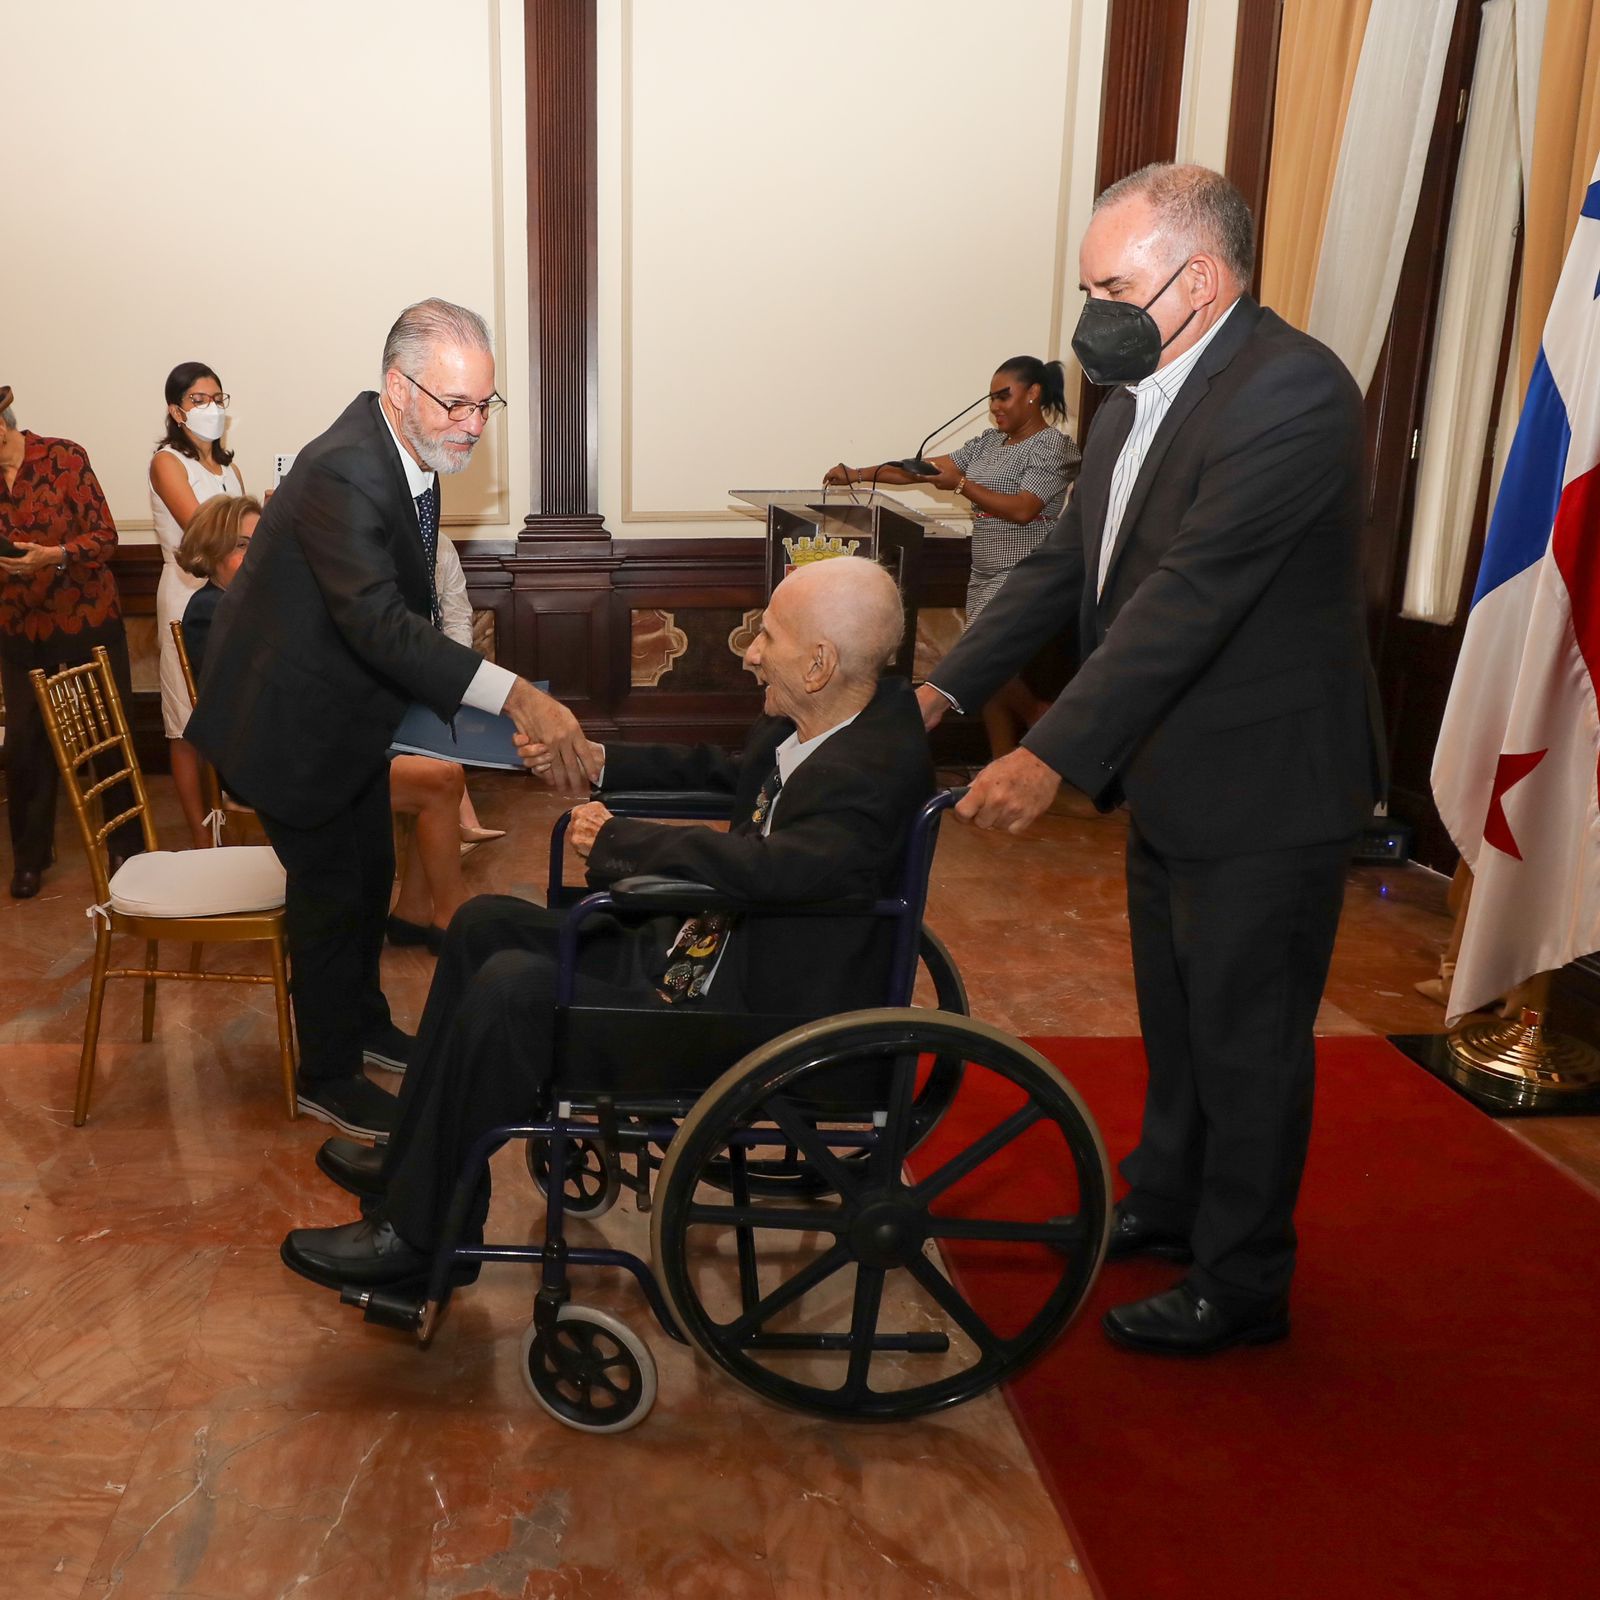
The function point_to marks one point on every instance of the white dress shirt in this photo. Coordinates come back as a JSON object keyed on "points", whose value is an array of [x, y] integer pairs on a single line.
{"points": [[789, 755], [491, 684], [1152, 399]]}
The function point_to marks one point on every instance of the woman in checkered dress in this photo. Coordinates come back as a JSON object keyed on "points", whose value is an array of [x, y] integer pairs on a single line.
{"points": [[1015, 475]]}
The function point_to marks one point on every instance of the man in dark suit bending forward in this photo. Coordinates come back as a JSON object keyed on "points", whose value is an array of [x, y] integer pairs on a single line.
{"points": [[1210, 559], [322, 640]]}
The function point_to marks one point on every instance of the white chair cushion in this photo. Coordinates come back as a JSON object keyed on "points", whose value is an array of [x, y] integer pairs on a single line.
{"points": [[199, 883]]}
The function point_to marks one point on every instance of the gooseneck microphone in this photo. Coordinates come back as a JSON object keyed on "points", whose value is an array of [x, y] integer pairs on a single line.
{"points": [[926, 469]]}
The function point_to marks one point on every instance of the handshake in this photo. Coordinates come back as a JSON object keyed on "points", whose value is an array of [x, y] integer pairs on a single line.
{"points": [[555, 749]]}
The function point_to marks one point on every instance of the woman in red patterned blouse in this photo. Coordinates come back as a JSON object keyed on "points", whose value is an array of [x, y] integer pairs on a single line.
{"points": [[58, 600]]}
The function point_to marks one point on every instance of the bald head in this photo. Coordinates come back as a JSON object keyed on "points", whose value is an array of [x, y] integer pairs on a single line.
{"points": [[826, 635], [853, 604]]}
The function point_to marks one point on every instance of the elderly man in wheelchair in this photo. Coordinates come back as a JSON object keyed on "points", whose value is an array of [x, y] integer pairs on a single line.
{"points": [[827, 787], [817, 888]]}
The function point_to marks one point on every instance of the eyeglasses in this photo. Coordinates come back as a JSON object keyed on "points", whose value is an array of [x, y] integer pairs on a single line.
{"points": [[198, 399], [460, 410]]}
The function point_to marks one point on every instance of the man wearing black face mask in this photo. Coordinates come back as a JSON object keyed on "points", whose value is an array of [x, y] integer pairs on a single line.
{"points": [[1211, 558]]}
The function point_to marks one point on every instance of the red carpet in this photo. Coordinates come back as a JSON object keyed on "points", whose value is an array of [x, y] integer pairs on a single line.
{"points": [[1432, 1427]]}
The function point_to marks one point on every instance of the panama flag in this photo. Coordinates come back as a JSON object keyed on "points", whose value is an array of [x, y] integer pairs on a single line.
{"points": [[1517, 771]]}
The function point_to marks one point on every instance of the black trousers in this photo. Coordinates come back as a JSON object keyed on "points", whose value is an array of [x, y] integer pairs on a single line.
{"points": [[483, 1051], [336, 899], [31, 774], [1229, 957]]}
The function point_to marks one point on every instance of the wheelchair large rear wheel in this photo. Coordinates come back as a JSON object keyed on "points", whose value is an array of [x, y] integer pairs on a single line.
{"points": [[924, 1275], [787, 1171]]}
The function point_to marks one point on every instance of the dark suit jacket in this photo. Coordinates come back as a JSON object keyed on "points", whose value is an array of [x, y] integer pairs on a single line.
{"points": [[838, 832], [325, 635], [1224, 685], [198, 616]]}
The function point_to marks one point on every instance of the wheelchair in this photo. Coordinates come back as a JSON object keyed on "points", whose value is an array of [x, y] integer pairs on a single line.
{"points": [[808, 1180]]}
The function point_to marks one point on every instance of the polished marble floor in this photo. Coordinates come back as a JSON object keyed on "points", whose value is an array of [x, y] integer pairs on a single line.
{"points": [[181, 1417]]}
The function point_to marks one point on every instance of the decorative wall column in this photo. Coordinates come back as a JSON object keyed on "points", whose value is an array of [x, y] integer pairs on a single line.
{"points": [[1255, 82], [559, 40]]}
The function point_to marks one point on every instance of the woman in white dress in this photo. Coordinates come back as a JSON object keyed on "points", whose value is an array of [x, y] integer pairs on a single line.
{"points": [[191, 465]]}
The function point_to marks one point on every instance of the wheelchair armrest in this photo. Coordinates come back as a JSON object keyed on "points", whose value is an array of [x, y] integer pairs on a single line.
{"points": [[650, 893], [669, 805]]}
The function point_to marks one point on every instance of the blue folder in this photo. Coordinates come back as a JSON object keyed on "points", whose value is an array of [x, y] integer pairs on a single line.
{"points": [[473, 738]]}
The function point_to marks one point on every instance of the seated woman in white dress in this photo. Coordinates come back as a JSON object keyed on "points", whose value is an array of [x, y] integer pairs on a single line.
{"points": [[435, 793], [191, 465]]}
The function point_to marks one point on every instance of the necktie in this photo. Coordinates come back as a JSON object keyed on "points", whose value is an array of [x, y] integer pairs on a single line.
{"points": [[693, 956], [428, 522]]}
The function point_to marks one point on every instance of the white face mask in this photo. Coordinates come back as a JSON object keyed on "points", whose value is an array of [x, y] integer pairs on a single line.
{"points": [[207, 421]]}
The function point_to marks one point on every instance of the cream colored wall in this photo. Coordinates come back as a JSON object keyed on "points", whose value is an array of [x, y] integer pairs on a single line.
{"points": [[262, 188], [1208, 50], [821, 227]]}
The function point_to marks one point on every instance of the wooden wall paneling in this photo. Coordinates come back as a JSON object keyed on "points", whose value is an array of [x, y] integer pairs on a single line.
{"points": [[1413, 668], [1142, 94], [696, 580], [1255, 83], [1143, 85]]}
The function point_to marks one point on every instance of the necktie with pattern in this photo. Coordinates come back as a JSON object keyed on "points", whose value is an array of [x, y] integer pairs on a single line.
{"points": [[428, 522], [693, 956]]}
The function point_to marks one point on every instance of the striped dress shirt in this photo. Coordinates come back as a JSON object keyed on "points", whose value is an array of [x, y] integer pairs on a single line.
{"points": [[1152, 398]]}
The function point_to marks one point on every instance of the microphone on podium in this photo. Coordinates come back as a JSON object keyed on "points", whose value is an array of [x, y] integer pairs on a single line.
{"points": [[926, 469]]}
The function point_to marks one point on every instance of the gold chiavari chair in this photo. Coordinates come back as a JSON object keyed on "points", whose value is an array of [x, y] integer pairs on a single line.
{"points": [[224, 896], [221, 807]]}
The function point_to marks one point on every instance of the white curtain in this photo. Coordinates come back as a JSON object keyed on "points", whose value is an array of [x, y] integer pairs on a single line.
{"points": [[1466, 335], [1530, 52], [1375, 186]]}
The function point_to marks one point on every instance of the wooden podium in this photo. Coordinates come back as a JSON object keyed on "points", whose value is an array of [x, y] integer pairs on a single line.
{"points": [[806, 525]]}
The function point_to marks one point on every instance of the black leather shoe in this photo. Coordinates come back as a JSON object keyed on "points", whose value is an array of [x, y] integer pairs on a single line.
{"points": [[356, 1168], [24, 884], [1182, 1322], [365, 1255], [1132, 1236]]}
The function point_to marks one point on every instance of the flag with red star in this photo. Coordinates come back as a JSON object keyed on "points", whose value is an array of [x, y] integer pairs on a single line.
{"points": [[1517, 770]]}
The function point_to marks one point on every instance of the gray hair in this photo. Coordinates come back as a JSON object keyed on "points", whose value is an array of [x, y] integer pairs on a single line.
{"points": [[420, 329], [9, 417], [1197, 207]]}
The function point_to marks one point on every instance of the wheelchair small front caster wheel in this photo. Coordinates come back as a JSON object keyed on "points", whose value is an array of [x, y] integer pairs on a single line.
{"points": [[593, 1177], [593, 1373]]}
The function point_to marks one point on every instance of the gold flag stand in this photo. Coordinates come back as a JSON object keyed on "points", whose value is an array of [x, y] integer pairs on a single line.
{"points": [[1521, 1064]]}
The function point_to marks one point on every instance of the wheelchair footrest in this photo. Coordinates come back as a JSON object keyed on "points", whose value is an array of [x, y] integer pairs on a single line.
{"points": [[918, 1343], [390, 1308]]}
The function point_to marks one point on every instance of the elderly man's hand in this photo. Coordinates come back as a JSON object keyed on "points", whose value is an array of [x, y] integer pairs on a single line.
{"points": [[540, 761], [587, 821], [32, 559], [1010, 793], [545, 721], [932, 705]]}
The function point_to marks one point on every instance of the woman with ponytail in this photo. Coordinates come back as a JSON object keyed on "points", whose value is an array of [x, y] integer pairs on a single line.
{"points": [[1015, 476]]}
